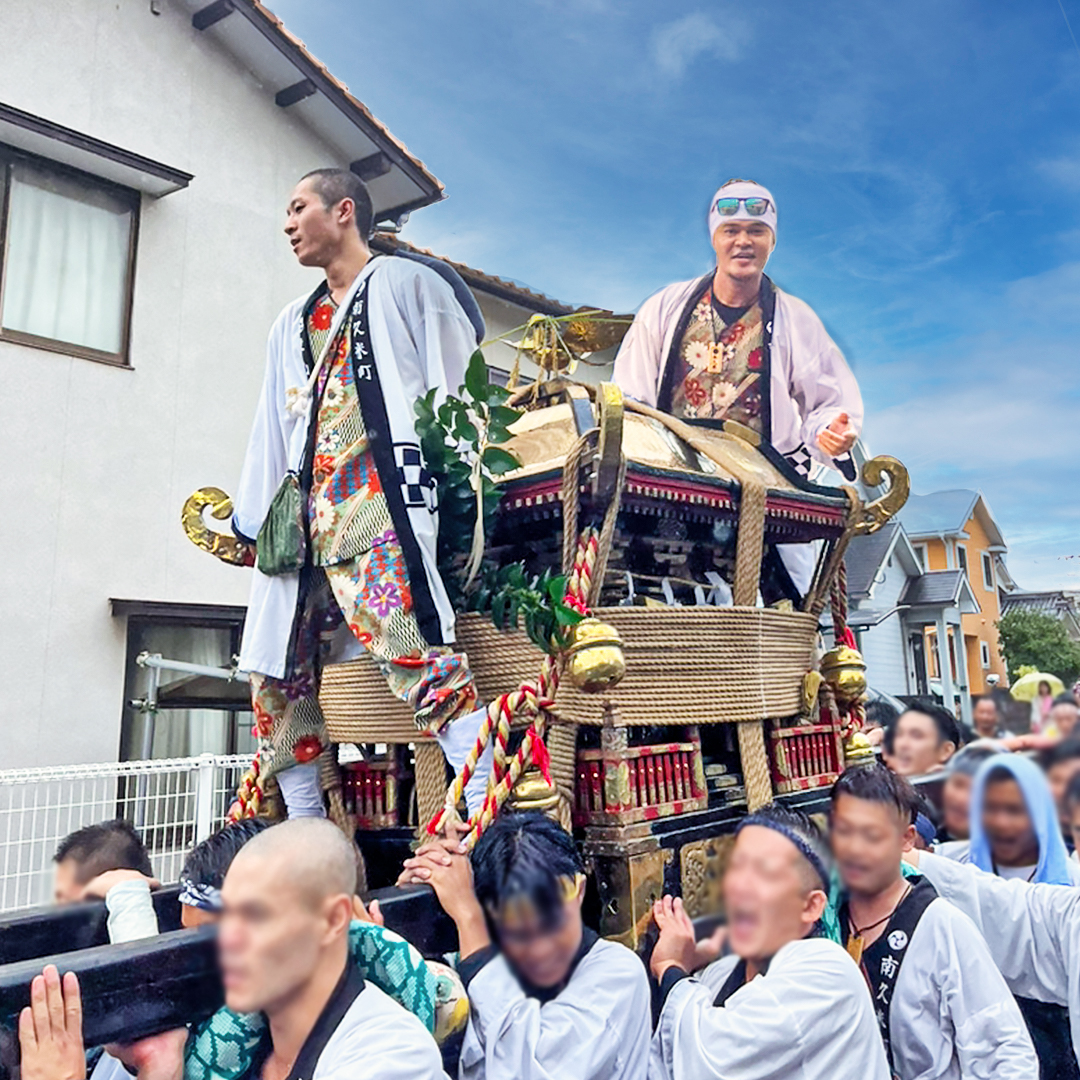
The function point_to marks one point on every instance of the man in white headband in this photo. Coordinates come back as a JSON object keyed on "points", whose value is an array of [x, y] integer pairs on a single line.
{"points": [[730, 346]]}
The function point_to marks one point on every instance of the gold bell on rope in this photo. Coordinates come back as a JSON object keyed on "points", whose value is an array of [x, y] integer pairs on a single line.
{"points": [[533, 792], [844, 669], [595, 660]]}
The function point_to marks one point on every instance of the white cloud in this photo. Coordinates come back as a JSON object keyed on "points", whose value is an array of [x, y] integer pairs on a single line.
{"points": [[678, 44], [1064, 171]]}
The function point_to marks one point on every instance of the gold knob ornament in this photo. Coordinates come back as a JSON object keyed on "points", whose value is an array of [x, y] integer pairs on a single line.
{"points": [[844, 669], [595, 661]]}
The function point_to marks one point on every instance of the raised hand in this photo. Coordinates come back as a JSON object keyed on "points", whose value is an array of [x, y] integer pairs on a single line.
{"points": [[676, 946], [50, 1029], [839, 437]]}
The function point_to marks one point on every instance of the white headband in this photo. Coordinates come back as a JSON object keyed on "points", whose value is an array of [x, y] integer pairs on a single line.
{"points": [[742, 189]]}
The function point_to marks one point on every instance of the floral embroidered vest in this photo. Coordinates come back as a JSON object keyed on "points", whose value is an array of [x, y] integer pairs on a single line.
{"points": [[721, 367], [347, 509]]}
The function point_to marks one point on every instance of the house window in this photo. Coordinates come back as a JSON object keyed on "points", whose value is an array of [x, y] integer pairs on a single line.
{"points": [[988, 571], [67, 244], [984, 654], [921, 555], [196, 713], [961, 558]]}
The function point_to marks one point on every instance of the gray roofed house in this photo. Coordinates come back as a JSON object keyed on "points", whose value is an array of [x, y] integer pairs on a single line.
{"points": [[900, 611], [1058, 604], [864, 557], [946, 514], [937, 587]]}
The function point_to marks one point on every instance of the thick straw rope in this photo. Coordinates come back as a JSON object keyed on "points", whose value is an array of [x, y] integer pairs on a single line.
{"points": [[818, 594], [751, 542]]}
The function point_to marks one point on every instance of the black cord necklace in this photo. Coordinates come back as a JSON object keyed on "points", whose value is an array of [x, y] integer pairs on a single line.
{"points": [[856, 941]]}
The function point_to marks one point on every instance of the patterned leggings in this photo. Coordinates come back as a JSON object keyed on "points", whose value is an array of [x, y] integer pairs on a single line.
{"points": [[371, 595]]}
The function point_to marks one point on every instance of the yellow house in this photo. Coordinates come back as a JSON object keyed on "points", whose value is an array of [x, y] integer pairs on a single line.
{"points": [[955, 530]]}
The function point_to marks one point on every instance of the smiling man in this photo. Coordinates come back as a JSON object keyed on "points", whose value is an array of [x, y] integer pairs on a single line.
{"points": [[335, 497], [922, 740], [943, 1009], [787, 1003], [732, 346]]}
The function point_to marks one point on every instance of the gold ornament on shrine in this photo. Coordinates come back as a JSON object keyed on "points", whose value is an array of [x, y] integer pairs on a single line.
{"points": [[595, 660], [533, 792], [844, 669], [857, 750]]}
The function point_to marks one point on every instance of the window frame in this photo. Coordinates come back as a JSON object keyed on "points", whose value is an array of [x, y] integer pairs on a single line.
{"points": [[988, 564], [186, 618], [10, 155], [984, 654], [922, 554], [962, 560]]}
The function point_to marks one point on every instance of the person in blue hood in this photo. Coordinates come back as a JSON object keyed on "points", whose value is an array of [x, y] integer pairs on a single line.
{"points": [[1014, 823], [1015, 833]]}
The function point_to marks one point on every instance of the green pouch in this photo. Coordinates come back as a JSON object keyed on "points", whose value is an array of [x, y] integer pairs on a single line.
{"points": [[281, 546]]}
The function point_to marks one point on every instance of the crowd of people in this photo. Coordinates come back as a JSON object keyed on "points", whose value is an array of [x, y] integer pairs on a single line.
{"points": [[908, 940]]}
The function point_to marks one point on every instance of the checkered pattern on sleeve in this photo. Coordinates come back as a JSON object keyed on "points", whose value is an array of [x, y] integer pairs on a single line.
{"points": [[417, 484]]}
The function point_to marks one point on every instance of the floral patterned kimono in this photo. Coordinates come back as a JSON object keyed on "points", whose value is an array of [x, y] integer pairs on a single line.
{"points": [[722, 365], [358, 572]]}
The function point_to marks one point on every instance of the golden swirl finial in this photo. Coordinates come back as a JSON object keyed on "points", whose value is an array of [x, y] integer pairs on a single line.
{"points": [[224, 546], [876, 513]]}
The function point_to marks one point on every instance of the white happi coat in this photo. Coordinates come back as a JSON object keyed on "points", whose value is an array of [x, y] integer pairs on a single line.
{"points": [[379, 1040], [808, 1017], [952, 1015], [596, 1029], [421, 339], [1032, 930], [810, 382]]}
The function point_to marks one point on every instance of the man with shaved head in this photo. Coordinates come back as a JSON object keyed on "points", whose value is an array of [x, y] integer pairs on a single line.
{"points": [[287, 902]]}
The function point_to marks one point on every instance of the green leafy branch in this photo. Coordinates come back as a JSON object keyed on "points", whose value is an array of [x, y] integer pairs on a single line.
{"points": [[512, 599], [460, 442]]}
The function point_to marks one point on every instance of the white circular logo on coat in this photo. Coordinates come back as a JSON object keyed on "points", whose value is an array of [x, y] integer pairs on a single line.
{"points": [[897, 940]]}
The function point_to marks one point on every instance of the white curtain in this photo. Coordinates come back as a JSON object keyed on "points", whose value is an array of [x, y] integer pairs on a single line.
{"points": [[67, 260]]}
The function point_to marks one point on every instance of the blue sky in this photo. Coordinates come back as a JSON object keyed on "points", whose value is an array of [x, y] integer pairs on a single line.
{"points": [[925, 158]]}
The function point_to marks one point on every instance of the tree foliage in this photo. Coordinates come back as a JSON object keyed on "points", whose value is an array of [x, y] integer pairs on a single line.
{"points": [[1030, 639]]}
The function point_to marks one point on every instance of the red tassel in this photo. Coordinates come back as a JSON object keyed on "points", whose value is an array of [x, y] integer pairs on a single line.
{"points": [[541, 757], [847, 638]]}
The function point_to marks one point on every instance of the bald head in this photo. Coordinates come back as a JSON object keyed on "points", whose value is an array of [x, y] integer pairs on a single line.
{"points": [[310, 855], [287, 902]]}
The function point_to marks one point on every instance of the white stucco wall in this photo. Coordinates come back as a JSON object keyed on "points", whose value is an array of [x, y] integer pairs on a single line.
{"points": [[99, 460]]}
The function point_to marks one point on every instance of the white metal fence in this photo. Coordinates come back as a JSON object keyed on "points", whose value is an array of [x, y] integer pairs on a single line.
{"points": [[173, 803]]}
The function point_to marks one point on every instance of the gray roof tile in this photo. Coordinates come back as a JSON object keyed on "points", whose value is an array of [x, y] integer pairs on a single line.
{"points": [[864, 557], [933, 588]]}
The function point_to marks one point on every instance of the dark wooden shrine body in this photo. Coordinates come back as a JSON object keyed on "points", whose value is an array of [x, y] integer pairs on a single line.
{"points": [[148, 986]]}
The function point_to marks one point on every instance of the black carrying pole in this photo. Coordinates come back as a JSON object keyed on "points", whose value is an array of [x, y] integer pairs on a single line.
{"points": [[50, 929], [132, 990], [152, 985]]}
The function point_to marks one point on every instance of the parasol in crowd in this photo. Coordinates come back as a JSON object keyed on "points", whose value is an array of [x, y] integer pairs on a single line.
{"points": [[1026, 688]]}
